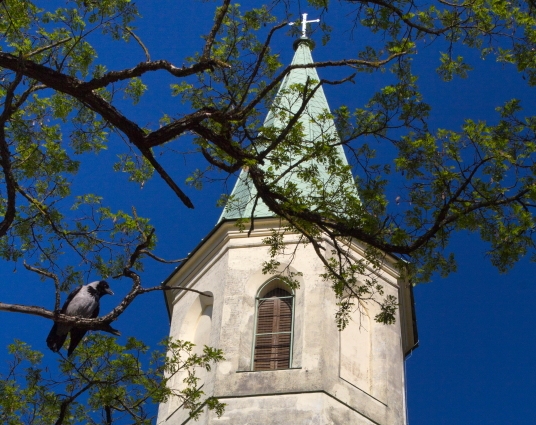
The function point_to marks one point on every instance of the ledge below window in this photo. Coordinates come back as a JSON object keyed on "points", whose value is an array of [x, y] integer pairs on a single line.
{"points": [[268, 370]]}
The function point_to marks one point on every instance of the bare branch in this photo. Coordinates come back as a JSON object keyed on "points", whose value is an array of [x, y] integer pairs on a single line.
{"points": [[222, 11], [403, 17], [167, 178], [346, 62], [144, 67], [5, 163], [99, 324], [50, 275], [84, 92], [138, 251], [108, 411], [221, 165], [44, 48], [146, 51], [177, 127], [5, 157], [68, 400], [161, 260], [262, 54]]}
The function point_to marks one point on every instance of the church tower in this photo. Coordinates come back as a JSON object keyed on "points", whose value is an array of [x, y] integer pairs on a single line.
{"points": [[286, 362]]}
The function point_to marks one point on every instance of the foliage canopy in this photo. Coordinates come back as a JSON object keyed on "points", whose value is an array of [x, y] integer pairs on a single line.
{"points": [[60, 105]]}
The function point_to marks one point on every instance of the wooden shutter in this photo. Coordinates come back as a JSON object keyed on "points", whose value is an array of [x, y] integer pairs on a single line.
{"points": [[274, 331]]}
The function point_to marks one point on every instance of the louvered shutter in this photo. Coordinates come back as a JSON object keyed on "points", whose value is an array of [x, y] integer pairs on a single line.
{"points": [[274, 331]]}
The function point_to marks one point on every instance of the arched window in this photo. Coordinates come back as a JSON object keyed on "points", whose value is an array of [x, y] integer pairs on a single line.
{"points": [[273, 328]]}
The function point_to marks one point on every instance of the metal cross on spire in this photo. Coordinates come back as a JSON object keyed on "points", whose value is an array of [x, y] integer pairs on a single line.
{"points": [[304, 23]]}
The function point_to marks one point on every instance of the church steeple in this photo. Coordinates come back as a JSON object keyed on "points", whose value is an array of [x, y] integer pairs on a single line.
{"points": [[285, 359], [318, 127]]}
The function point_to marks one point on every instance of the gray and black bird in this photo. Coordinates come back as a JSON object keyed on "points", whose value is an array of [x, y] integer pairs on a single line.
{"points": [[82, 302]]}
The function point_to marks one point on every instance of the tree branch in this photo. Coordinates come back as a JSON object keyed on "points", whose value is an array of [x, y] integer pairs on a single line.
{"points": [[402, 16], [99, 324], [52, 276], [243, 112], [145, 50], [5, 156], [5, 163], [44, 48], [221, 165], [65, 403], [151, 66], [222, 11], [167, 178], [159, 259]]}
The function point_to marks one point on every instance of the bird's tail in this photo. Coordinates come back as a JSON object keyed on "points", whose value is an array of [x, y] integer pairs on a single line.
{"points": [[55, 340], [76, 337]]}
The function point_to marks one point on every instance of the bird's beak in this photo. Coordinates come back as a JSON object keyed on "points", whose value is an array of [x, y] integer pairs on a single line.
{"points": [[109, 291]]}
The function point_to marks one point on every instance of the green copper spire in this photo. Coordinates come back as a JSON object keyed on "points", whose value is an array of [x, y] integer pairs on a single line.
{"points": [[317, 127]]}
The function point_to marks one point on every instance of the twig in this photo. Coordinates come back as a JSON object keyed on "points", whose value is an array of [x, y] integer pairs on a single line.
{"points": [[50, 46], [140, 43], [50, 275], [161, 260]]}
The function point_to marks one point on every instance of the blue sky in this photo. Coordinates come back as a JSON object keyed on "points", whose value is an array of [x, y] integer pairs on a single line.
{"points": [[475, 362]]}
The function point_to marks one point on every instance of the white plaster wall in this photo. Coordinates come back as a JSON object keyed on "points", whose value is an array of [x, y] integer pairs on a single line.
{"points": [[186, 320], [353, 377], [296, 409], [355, 350]]}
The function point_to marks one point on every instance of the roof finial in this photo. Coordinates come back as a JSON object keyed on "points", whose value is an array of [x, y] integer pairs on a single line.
{"points": [[304, 23]]}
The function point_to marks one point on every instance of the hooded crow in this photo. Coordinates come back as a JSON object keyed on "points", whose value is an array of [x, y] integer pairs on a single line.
{"points": [[82, 302]]}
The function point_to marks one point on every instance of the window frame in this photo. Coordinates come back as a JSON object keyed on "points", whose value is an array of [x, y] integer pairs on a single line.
{"points": [[265, 289]]}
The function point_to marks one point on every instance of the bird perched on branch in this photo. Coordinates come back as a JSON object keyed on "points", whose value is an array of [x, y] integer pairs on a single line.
{"points": [[82, 302]]}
